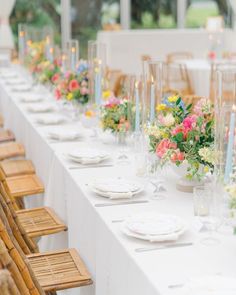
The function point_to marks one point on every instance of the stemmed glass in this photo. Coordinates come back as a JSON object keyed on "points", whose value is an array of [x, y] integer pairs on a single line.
{"points": [[207, 209], [155, 177]]}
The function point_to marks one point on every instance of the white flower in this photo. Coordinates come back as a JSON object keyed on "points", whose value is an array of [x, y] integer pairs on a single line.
{"points": [[168, 120], [207, 155], [153, 130]]}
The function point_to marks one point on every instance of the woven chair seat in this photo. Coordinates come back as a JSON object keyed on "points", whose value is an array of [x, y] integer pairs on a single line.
{"points": [[15, 168], [40, 222], [11, 150], [59, 270], [25, 185], [6, 135]]}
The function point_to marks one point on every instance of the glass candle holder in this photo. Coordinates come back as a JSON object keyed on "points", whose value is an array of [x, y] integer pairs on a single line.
{"points": [[48, 36], [153, 76], [22, 42], [73, 54], [97, 69]]}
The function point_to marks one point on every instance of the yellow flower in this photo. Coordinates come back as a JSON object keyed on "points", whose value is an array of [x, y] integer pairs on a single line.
{"points": [[106, 94], [173, 98], [69, 96], [89, 113], [206, 169], [161, 107]]}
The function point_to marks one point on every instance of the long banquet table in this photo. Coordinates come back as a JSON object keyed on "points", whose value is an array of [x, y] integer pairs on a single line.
{"points": [[115, 266]]}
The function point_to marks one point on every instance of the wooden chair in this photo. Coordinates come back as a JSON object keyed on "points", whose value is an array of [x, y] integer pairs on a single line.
{"points": [[10, 168], [32, 223], [176, 76], [7, 284], [228, 71], [229, 55], [112, 76], [11, 150], [53, 271], [174, 56], [191, 99], [6, 135]]}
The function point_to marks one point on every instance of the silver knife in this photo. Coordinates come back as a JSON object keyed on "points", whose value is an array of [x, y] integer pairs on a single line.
{"points": [[90, 166], [167, 246], [121, 203]]}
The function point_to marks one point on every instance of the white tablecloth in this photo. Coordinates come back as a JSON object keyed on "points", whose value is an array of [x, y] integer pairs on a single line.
{"points": [[109, 255]]}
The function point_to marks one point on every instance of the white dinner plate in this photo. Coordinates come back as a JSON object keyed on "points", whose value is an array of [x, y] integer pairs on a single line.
{"points": [[115, 188], [150, 231], [87, 156], [50, 119], [61, 134], [32, 98], [41, 108]]}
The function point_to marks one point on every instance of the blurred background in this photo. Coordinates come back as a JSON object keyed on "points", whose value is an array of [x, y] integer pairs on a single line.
{"points": [[90, 16]]}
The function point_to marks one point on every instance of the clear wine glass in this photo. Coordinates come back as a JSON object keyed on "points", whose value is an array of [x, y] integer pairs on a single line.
{"points": [[207, 209], [155, 177]]}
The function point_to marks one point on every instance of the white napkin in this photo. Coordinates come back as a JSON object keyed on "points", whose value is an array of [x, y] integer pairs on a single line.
{"points": [[41, 108], [50, 120], [209, 285], [8, 75], [157, 224], [21, 88], [116, 188], [87, 156], [31, 98], [64, 134]]}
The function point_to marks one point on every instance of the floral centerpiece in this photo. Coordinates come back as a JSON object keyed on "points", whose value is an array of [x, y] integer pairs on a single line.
{"points": [[184, 134], [35, 56], [114, 115], [46, 70], [72, 86]]}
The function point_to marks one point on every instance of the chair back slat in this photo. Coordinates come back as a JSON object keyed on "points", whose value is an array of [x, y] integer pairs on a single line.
{"points": [[7, 284]]}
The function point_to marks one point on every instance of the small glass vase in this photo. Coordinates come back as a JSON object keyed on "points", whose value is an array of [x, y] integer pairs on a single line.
{"points": [[121, 139]]}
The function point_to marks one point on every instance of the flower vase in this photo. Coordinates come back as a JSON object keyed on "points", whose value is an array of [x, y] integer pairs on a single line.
{"points": [[184, 184]]}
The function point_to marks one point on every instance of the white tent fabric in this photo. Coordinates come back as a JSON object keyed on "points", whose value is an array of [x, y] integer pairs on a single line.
{"points": [[6, 36]]}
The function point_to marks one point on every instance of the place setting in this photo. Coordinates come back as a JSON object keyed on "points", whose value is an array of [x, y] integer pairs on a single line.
{"points": [[45, 107], [80, 158], [49, 119], [58, 135], [31, 98]]}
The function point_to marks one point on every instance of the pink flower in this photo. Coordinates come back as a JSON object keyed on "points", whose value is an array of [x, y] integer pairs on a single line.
{"points": [[84, 91], [112, 102], [177, 156], [189, 123], [55, 77], [73, 85], [164, 146], [84, 83], [58, 94]]}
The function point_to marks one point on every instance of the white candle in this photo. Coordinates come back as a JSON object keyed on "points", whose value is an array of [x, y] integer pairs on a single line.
{"points": [[73, 59], [137, 108], [22, 45], [230, 147], [98, 82], [152, 101]]}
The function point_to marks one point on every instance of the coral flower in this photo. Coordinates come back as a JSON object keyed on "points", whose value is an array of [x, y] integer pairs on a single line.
{"points": [[164, 146], [55, 77], [73, 85]]}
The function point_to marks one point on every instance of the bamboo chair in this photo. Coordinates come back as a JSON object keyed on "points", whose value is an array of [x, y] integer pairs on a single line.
{"points": [[174, 56], [7, 284], [11, 168], [228, 72], [176, 76], [54, 271], [11, 150], [191, 99], [6, 135], [32, 223], [111, 78], [12, 258]]}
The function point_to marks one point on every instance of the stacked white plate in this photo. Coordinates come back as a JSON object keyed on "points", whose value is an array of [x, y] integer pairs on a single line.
{"points": [[8, 75], [154, 227], [22, 88], [63, 135], [41, 108], [87, 156], [50, 119], [115, 188], [31, 98], [209, 285]]}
